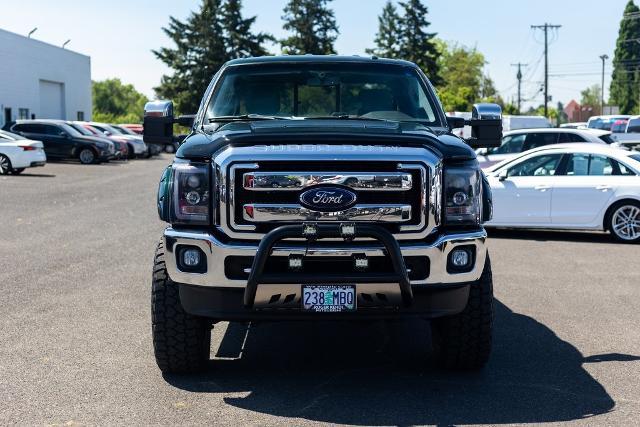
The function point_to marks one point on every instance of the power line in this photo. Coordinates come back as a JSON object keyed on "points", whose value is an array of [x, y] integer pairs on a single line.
{"points": [[545, 28]]}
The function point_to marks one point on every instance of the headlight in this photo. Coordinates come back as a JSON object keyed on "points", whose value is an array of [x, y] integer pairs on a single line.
{"points": [[191, 195], [462, 196], [184, 194]]}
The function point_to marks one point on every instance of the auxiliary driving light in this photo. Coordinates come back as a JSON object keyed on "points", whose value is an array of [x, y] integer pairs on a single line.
{"points": [[360, 262], [295, 262], [461, 259], [310, 231], [348, 231]]}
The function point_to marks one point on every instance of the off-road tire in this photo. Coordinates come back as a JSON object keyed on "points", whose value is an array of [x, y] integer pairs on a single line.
{"points": [[181, 342], [463, 341]]}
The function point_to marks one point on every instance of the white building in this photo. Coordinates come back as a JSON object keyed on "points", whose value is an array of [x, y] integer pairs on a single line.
{"points": [[39, 80]]}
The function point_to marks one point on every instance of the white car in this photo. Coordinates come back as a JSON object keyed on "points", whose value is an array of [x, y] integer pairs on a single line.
{"points": [[519, 141], [18, 153], [569, 186]]}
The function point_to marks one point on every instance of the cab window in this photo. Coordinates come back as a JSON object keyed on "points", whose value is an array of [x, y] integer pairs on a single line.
{"points": [[543, 165]]}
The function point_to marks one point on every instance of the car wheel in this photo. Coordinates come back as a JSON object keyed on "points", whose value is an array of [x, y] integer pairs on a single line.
{"points": [[5, 165], [87, 156], [463, 341], [169, 148], [624, 222], [181, 341], [17, 171]]}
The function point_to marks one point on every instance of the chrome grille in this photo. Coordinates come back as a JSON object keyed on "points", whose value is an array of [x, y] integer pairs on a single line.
{"points": [[393, 188]]}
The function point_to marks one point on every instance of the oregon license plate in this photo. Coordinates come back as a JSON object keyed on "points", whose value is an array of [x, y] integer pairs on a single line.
{"points": [[329, 298]]}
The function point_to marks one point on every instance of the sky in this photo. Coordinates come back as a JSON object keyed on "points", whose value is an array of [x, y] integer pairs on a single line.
{"points": [[120, 34]]}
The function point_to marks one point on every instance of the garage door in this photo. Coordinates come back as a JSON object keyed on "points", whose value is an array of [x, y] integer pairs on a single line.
{"points": [[51, 100]]}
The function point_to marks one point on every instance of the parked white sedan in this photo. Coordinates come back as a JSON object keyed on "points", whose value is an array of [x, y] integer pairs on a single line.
{"points": [[519, 141], [569, 186], [18, 153]]}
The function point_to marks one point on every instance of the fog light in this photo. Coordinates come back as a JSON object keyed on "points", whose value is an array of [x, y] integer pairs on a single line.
{"points": [[295, 262], [191, 257], [360, 262], [460, 258]]}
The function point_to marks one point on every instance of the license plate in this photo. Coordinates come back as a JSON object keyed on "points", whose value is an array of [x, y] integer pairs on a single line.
{"points": [[329, 298]]}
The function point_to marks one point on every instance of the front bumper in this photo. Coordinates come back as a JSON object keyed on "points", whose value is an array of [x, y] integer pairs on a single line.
{"points": [[217, 252]]}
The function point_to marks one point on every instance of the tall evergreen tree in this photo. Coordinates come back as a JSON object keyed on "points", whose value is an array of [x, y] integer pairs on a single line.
{"points": [[206, 40], [241, 41], [388, 37], [313, 26], [624, 90], [416, 44]]}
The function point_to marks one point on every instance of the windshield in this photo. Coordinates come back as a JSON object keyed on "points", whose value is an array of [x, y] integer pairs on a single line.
{"points": [[344, 90], [69, 129], [81, 129]]}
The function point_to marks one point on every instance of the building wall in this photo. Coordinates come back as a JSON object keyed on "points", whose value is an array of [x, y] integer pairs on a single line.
{"points": [[51, 82]]}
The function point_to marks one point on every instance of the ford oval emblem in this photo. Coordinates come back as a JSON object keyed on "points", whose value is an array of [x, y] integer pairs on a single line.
{"points": [[328, 199]]}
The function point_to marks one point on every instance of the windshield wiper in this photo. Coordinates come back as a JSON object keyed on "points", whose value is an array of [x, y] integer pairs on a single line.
{"points": [[348, 117], [244, 117]]}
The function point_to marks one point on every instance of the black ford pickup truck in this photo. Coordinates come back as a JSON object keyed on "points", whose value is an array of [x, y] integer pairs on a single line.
{"points": [[322, 187]]}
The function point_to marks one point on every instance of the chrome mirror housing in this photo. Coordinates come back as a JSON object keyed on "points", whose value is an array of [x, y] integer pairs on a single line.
{"points": [[158, 122], [486, 126]]}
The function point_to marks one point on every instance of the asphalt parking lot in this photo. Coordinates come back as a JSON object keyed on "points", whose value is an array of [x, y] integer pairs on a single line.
{"points": [[76, 244]]}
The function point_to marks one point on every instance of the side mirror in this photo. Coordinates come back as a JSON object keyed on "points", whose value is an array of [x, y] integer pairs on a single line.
{"points": [[63, 134], [107, 133], [503, 174], [486, 126], [158, 122]]}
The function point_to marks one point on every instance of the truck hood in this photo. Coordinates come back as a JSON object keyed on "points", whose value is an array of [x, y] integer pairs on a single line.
{"points": [[204, 143]]}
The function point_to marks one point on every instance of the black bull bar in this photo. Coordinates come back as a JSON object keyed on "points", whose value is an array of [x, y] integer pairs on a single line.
{"points": [[257, 276]]}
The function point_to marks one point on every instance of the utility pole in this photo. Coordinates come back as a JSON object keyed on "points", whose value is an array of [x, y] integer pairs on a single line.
{"points": [[604, 58], [519, 77], [545, 28]]}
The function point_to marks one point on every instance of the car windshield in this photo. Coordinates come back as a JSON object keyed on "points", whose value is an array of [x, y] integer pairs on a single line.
{"points": [[340, 90], [635, 157], [123, 130], [81, 129], [69, 129]]}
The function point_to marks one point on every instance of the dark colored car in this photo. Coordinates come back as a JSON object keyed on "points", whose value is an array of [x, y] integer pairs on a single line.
{"points": [[62, 141]]}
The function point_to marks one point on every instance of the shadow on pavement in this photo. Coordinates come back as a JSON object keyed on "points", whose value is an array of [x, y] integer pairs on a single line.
{"points": [[551, 235], [34, 175], [381, 374]]}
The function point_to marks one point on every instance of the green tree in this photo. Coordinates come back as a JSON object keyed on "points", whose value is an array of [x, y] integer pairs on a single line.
{"points": [[203, 43], [416, 44], [626, 77], [115, 102], [240, 40], [591, 97], [387, 39], [461, 68], [313, 27]]}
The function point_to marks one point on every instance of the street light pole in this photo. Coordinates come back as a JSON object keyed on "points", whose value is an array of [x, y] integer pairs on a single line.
{"points": [[604, 58]]}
